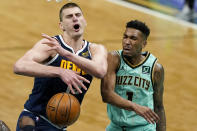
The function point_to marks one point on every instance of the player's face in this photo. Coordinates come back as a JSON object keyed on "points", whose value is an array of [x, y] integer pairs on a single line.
{"points": [[133, 41], [73, 22]]}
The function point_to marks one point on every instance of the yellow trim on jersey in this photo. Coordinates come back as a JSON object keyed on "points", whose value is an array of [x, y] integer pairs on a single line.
{"points": [[134, 66]]}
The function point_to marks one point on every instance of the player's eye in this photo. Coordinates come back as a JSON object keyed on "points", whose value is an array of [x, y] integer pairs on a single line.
{"points": [[78, 14], [69, 16], [125, 36]]}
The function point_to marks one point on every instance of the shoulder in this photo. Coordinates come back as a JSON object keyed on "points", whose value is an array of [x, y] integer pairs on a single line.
{"points": [[158, 68], [158, 72], [40, 43], [98, 50], [113, 59], [40, 46], [114, 54], [95, 46], [43, 48]]}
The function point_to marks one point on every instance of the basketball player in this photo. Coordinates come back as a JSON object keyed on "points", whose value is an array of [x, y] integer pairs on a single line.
{"points": [[133, 85], [64, 63]]}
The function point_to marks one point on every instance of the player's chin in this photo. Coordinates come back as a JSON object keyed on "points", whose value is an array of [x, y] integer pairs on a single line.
{"points": [[77, 34], [126, 52], [127, 55]]}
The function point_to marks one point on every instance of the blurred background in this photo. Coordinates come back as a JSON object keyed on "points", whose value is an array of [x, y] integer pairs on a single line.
{"points": [[182, 9], [173, 40]]}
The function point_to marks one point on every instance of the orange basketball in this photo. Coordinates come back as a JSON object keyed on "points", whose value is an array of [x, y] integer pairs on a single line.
{"points": [[63, 109]]}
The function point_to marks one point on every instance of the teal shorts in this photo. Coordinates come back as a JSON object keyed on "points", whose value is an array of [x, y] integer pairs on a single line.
{"points": [[114, 127]]}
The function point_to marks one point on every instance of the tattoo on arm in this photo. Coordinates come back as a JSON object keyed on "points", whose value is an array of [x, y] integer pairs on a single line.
{"points": [[158, 96]]}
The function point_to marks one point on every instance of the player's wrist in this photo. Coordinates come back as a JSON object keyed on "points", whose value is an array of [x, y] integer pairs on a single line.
{"points": [[58, 72], [133, 106]]}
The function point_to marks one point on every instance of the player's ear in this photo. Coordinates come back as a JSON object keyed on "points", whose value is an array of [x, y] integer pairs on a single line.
{"points": [[144, 44], [61, 26], [85, 22]]}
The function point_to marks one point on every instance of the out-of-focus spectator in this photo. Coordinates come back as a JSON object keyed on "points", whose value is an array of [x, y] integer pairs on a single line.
{"points": [[187, 12]]}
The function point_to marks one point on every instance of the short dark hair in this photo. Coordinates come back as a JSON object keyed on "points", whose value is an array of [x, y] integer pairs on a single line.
{"points": [[136, 24], [67, 5]]}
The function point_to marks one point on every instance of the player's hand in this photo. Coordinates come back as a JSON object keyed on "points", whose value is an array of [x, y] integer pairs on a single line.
{"points": [[72, 79], [53, 43], [147, 113]]}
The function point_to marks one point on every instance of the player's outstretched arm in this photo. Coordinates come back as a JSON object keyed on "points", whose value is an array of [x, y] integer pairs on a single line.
{"points": [[109, 96], [158, 96], [33, 64], [97, 66]]}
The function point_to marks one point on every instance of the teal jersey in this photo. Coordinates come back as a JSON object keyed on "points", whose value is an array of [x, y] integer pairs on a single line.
{"points": [[134, 83]]}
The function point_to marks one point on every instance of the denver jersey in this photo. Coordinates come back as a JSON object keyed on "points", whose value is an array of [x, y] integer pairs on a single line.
{"points": [[45, 87], [134, 83]]}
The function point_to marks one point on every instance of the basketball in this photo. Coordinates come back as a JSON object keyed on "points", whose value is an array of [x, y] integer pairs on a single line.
{"points": [[63, 109]]}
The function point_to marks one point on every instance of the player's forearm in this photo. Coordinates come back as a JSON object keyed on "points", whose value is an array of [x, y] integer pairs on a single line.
{"points": [[97, 69], [34, 69], [112, 98], [161, 125]]}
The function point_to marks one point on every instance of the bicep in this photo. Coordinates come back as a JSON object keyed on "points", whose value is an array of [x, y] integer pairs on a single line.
{"points": [[158, 85], [109, 81], [39, 53], [99, 54]]}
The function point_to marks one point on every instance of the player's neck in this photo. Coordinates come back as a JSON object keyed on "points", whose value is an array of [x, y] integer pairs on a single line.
{"points": [[76, 43], [135, 60]]}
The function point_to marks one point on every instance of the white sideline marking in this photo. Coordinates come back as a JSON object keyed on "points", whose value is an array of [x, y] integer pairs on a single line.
{"points": [[154, 13]]}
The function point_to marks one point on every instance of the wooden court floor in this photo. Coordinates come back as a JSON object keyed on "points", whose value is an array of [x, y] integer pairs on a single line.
{"points": [[23, 21]]}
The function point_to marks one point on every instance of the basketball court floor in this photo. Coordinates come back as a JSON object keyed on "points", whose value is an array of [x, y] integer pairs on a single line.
{"points": [[173, 41]]}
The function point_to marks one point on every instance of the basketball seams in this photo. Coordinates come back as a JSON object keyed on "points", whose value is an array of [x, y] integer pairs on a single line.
{"points": [[76, 115], [69, 107], [66, 109], [58, 107]]}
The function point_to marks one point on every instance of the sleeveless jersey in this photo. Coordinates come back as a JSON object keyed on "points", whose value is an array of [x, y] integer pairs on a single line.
{"points": [[45, 87], [133, 83]]}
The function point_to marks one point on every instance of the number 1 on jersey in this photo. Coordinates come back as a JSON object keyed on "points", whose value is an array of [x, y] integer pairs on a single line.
{"points": [[130, 95]]}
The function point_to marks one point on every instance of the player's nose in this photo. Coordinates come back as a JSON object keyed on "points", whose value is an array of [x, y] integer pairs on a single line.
{"points": [[127, 41], [75, 18]]}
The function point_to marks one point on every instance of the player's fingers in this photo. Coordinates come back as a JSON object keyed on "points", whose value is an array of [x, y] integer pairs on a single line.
{"points": [[148, 115], [157, 117], [71, 89], [150, 118], [50, 43], [80, 83], [83, 79], [47, 37], [154, 116], [147, 119], [76, 87], [51, 39]]}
